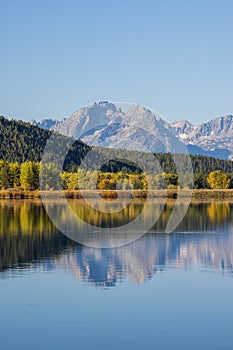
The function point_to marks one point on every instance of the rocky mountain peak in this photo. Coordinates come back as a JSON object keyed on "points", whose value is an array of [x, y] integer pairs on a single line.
{"points": [[105, 123]]}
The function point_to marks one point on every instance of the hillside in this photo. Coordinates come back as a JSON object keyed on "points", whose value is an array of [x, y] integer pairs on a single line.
{"points": [[22, 141]]}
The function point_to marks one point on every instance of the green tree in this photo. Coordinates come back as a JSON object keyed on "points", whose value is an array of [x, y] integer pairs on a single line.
{"points": [[200, 181], [29, 176], [87, 180], [218, 180], [159, 181], [14, 174], [69, 181], [138, 181], [4, 175], [50, 175], [171, 180]]}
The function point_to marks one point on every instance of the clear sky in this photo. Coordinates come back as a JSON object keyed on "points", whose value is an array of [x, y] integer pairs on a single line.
{"points": [[172, 56]]}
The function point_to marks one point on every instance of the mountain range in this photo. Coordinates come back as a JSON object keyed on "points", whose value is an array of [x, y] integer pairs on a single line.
{"points": [[138, 128]]}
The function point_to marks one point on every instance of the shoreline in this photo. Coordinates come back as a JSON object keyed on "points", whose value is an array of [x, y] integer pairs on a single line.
{"points": [[109, 194]]}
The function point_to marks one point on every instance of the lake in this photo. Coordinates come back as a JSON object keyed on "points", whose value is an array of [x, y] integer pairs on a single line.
{"points": [[161, 291]]}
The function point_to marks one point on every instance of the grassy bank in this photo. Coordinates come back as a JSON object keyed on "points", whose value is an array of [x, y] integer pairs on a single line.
{"points": [[196, 194]]}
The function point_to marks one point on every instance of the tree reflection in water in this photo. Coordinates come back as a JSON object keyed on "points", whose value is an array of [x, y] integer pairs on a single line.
{"points": [[204, 237]]}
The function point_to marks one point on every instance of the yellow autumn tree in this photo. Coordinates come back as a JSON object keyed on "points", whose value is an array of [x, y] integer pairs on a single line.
{"points": [[218, 180]]}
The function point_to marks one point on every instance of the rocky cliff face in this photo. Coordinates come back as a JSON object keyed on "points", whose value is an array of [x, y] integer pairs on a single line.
{"points": [[107, 125], [88, 118], [138, 128]]}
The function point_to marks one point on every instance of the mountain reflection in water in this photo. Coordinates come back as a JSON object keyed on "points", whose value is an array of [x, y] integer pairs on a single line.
{"points": [[29, 240]]}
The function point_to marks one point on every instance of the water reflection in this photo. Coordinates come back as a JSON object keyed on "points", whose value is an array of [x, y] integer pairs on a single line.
{"points": [[140, 260], [204, 238]]}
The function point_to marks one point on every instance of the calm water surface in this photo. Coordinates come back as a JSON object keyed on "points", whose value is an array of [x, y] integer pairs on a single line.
{"points": [[163, 291]]}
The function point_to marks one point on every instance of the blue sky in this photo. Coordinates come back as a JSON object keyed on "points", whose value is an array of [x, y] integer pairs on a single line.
{"points": [[172, 56]]}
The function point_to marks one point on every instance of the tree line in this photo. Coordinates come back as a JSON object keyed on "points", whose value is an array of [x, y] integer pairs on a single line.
{"points": [[26, 176]]}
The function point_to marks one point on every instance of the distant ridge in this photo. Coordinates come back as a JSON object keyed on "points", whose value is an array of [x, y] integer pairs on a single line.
{"points": [[46, 124], [215, 136]]}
